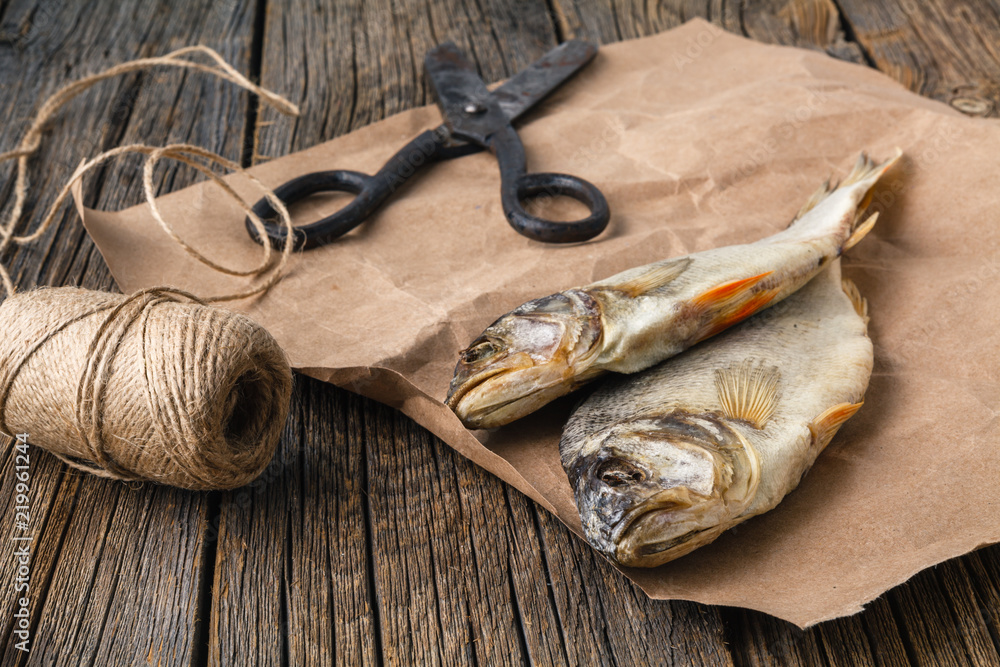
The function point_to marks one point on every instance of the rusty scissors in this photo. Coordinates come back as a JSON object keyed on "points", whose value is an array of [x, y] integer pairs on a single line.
{"points": [[474, 119]]}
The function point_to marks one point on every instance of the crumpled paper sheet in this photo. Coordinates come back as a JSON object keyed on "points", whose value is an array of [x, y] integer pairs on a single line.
{"points": [[699, 139]]}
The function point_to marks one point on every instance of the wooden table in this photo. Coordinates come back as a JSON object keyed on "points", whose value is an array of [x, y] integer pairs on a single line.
{"points": [[370, 541]]}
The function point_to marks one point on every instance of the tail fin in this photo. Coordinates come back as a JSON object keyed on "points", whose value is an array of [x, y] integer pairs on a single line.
{"points": [[865, 174], [862, 179]]}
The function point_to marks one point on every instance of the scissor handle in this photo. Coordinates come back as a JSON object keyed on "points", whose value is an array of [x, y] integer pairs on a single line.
{"points": [[325, 230], [516, 185], [370, 191]]}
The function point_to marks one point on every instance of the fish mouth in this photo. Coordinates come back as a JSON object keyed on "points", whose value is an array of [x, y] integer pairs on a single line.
{"points": [[497, 396], [639, 537], [670, 500], [459, 392], [653, 554]]}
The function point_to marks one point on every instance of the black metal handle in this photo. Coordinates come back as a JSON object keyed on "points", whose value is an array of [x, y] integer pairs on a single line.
{"points": [[516, 185], [322, 231], [370, 191]]}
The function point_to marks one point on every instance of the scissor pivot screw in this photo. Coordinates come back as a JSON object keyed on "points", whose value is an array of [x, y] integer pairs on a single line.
{"points": [[473, 108]]}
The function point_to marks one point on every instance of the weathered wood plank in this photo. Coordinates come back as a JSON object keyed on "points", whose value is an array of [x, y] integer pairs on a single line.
{"points": [[870, 638], [252, 562], [49, 512], [128, 566], [292, 558], [331, 501], [607, 620], [984, 575], [945, 49], [804, 23], [759, 639], [940, 617], [440, 569], [118, 571]]}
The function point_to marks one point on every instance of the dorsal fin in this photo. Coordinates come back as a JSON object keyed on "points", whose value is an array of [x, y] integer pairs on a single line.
{"points": [[654, 278], [747, 393], [824, 427], [814, 199], [859, 302]]}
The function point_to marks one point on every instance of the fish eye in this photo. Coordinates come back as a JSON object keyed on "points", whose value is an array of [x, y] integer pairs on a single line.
{"points": [[618, 472], [479, 352], [555, 304]]}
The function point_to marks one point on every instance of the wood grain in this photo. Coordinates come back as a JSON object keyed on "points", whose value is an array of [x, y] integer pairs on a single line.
{"points": [[945, 49]]}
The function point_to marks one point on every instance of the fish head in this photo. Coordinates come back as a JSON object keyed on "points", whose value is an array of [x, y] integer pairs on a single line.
{"points": [[652, 489], [526, 358]]}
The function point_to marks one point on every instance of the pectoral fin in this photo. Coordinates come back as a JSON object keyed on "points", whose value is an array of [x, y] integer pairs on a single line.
{"points": [[748, 393], [824, 427], [725, 293]]}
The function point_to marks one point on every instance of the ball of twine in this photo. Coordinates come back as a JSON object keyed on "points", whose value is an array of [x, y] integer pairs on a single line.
{"points": [[154, 386]]}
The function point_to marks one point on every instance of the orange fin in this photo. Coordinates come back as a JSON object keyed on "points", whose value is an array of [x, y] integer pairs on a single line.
{"points": [[720, 296], [860, 231], [859, 302], [824, 427], [733, 302]]}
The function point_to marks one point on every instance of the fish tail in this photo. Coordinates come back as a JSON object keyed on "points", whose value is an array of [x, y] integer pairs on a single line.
{"points": [[867, 171], [860, 182], [864, 176]]}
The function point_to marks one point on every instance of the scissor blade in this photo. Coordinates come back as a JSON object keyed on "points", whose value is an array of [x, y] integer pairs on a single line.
{"points": [[532, 84], [473, 112], [470, 111]]}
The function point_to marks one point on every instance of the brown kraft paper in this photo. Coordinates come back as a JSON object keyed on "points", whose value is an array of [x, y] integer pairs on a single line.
{"points": [[699, 139]]}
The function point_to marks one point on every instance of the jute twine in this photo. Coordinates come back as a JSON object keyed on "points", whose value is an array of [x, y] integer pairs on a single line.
{"points": [[152, 386], [156, 385]]}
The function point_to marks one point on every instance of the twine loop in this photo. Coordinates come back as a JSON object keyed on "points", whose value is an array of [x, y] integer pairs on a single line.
{"points": [[193, 156]]}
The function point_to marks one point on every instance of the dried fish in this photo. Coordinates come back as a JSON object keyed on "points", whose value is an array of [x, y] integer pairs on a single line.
{"points": [[552, 345], [661, 462]]}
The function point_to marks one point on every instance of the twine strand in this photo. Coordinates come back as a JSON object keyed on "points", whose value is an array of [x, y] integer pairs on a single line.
{"points": [[184, 153]]}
